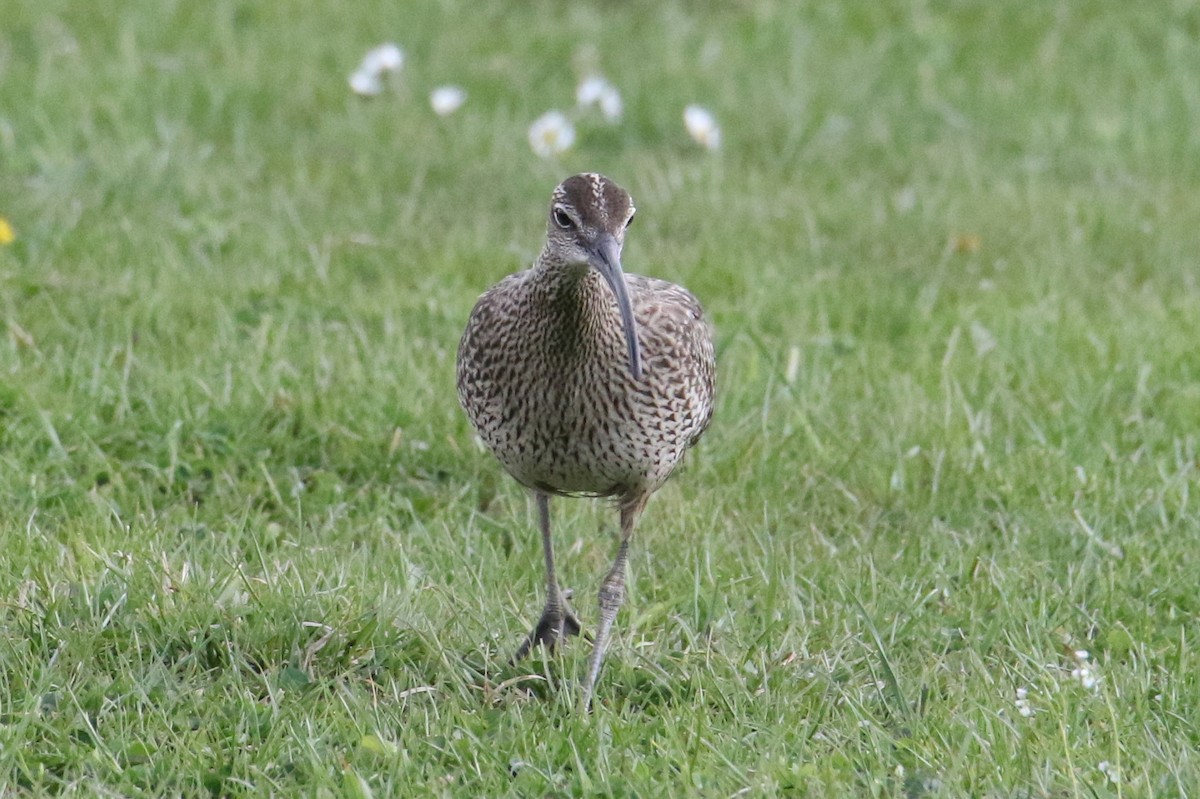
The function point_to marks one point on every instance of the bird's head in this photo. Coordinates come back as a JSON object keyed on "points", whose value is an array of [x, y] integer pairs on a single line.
{"points": [[588, 218]]}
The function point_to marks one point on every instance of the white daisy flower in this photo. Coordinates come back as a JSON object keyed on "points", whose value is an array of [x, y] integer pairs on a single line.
{"points": [[1023, 705], [1087, 678], [447, 99], [597, 91], [384, 58], [611, 105], [366, 83], [702, 126], [367, 79], [551, 134], [589, 90]]}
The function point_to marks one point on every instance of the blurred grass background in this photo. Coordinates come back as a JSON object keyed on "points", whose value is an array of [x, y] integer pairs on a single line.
{"points": [[251, 548]]}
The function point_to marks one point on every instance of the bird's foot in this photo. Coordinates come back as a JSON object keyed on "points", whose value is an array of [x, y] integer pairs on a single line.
{"points": [[551, 629], [557, 623]]}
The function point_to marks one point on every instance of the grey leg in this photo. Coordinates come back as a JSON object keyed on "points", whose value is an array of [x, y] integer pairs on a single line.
{"points": [[558, 620], [612, 595]]}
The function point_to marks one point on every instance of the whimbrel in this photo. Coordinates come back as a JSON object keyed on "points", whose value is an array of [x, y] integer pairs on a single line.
{"points": [[585, 381]]}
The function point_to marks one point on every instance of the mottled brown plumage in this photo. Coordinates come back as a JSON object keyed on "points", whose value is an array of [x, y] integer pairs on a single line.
{"points": [[585, 381]]}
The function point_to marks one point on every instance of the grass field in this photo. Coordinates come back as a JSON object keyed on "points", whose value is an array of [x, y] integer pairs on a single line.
{"points": [[939, 541]]}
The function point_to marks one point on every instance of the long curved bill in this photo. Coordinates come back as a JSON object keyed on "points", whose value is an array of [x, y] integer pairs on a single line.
{"points": [[606, 259]]}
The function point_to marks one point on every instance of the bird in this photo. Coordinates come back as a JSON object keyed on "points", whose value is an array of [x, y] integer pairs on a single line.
{"points": [[583, 380]]}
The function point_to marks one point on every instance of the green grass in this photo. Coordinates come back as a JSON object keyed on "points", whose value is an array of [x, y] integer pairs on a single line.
{"points": [[249, 544]]}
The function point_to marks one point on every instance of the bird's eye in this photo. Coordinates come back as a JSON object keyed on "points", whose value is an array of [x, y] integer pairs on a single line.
{"points": [[562, 219], [629, 221]]}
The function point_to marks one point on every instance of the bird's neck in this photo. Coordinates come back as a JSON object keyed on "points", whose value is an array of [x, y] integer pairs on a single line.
{"points": [[570, 287], [577, 299]]}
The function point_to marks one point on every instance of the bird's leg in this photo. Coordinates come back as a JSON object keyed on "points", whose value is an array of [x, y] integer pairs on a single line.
{"points": [[558, 620], [612, 594]]}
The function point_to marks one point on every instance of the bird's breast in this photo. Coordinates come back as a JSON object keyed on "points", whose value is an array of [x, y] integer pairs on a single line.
{"points": [[552, 396]]}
